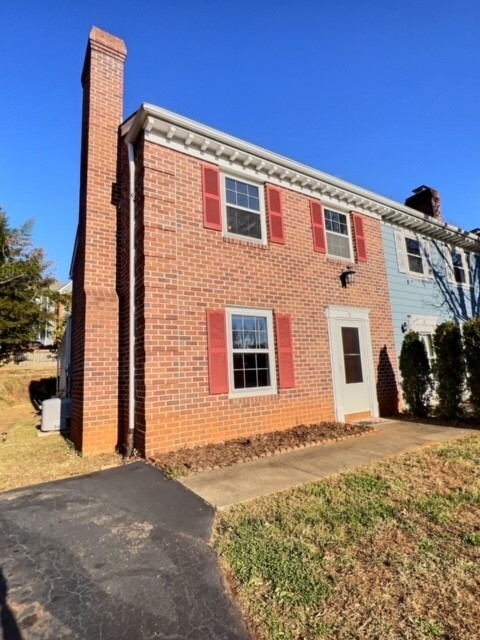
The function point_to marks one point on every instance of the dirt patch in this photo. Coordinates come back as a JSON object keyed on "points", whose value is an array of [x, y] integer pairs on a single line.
{"points": [[14, 387], [225, 454]]}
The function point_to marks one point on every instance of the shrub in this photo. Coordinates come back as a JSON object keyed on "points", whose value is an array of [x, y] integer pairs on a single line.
{"points": [[449, 369], [416, 374], [471, 341]]}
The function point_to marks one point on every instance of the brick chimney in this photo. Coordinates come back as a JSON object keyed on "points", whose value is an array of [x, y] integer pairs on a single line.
{"points": [[426, 200], [95, 365]]}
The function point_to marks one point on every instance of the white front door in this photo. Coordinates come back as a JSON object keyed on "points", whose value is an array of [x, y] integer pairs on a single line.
{"points": [[352, 362]]}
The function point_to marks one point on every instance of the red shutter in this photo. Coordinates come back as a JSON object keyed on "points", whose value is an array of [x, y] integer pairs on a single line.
{"points": [[286, 369], [275, 214], [212, 207], [217, 351], [360, 241], [318, 226]]}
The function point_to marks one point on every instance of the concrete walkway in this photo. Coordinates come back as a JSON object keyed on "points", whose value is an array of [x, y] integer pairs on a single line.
{"points": [[231, 485]]}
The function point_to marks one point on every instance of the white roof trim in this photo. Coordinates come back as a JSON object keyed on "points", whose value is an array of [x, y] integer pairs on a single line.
{"points": [[185, 135]]}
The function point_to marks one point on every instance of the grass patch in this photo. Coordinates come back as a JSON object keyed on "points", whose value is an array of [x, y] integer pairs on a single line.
{"points": [[26, 458], [389, 552]]}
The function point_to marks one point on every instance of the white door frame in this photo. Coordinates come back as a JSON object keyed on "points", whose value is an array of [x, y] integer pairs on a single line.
{"points": [[335, 315]]}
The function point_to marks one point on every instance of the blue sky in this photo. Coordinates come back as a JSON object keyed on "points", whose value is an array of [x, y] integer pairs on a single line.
{"points": [[383, 94]]}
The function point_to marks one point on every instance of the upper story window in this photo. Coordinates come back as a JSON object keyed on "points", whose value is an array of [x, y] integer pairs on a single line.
{"points": [[458, 266], [244, 214], [459, 271], [237, 207], [332, 232], [414, 255], [337, 230]]}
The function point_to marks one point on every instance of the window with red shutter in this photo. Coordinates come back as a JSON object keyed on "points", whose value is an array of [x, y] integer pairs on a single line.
{"points": [[275, 214], [251, 352], [318, 226], [212, 207], [360, 240], [244, 210], [217, 351], [286, 368]]}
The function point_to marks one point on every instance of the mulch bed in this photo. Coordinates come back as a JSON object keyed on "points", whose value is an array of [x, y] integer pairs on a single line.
{"points": [[225, 454]]}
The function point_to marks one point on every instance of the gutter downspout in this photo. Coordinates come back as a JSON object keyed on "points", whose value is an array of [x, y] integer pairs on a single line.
{"points": [[129, 445]]}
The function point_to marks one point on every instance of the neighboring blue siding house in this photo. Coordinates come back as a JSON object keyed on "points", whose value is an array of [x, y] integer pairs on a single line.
{"points": [[432, 268]]}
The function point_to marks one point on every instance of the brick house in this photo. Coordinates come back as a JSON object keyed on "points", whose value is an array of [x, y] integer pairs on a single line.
{"points": [[211, 283]]}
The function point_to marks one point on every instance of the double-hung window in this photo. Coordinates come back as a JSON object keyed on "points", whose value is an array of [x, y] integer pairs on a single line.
{"points": [[413, 253], [252, 355], [337, 231], [458, 266], [427, 339], [459, 270], [425, 326], [244, 211], [413, 248], [241, 352]]}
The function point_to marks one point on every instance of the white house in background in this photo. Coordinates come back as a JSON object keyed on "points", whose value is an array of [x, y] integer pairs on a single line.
{"points": [[47, 333]]}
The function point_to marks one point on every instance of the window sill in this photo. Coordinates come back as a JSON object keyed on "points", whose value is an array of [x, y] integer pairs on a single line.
{"points": [[260, 244], [339, 260], [418, 276], [256, 393]]}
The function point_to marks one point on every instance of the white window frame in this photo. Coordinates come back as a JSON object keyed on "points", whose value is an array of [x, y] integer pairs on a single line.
{"points": [[401, 235], [424, 326], [261, 212], [258, 391], [349, 227], [465, 265]]}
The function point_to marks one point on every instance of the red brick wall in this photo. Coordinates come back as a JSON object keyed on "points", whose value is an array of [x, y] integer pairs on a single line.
{"points": [[95, 360], [181, 271], [184, 269]]}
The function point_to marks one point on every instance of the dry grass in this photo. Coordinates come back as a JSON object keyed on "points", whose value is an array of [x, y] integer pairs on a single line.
{"points": [[389, 552], [26, 458]]}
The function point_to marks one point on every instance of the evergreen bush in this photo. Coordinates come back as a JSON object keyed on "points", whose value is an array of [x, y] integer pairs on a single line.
{"points": [[471, 342], [449, 369], [416, 374]]}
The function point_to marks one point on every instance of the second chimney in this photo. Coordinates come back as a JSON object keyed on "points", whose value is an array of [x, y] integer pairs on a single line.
{"points": [[426, 200]]}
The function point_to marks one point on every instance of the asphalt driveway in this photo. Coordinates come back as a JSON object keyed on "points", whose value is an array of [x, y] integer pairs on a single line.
{"points": [[118, 554]]}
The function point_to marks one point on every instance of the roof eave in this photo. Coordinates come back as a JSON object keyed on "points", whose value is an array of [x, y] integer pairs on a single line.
{"points": [[388, 210]]}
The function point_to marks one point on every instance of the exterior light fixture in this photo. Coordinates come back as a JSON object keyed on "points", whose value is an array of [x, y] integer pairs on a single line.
{"points": [[404, 327], [348, 276]]}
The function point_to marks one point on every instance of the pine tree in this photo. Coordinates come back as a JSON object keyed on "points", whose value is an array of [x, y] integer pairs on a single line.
{"points": [[24, 280], [416, 374]]}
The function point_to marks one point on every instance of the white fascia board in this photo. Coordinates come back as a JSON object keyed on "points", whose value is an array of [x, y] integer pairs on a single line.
{"points": [[188, 136]]}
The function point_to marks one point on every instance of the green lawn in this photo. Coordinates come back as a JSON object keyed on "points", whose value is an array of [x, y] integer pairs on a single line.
{"points": [[390, 552]]}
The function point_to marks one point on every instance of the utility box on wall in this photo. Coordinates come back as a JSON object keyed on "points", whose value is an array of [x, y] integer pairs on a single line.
{"points": [[56, 414]]}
